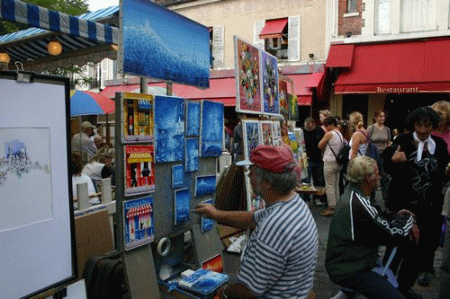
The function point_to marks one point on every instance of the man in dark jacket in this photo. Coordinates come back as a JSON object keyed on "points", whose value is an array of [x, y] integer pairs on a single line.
{"points": [[358, 228]]}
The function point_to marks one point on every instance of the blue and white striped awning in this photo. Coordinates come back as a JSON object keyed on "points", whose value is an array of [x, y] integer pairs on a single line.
{"points": [[84, 32]]}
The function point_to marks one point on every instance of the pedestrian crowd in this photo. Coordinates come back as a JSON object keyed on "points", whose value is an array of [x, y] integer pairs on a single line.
{"points": [[382, 188]]}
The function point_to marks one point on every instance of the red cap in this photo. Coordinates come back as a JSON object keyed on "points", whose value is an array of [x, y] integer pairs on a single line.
{"points": [[275, 159]]}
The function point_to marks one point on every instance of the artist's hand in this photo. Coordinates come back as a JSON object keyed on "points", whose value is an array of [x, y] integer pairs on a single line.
{"points": [[398, 156], [206, 210], [414, 234]]}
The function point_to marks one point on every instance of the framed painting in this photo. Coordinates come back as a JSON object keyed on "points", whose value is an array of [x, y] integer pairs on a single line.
{"points": [[139, 228], [205, 185], [137, 117], [266, 132], [283, 96], [139, 169], [212, 128], [192, 118], [251, 133], [181, 205], [206, 223], [269, 78], [192, 159], [177, 176], [277, 139], [293, 107], [169, 129], [248, 83]]}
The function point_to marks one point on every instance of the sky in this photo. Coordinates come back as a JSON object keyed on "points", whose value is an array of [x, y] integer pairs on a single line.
{"points": [[98, 4]]}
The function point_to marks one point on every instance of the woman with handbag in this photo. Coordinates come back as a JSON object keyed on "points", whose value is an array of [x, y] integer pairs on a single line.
{"points": [[331, 144]]}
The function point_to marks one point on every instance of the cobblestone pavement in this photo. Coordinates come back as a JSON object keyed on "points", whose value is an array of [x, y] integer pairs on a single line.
{"points": [[325, 289]]}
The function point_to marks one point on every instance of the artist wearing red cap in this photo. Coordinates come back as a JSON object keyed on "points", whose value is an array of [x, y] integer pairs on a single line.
{"points": [[281, 254]]}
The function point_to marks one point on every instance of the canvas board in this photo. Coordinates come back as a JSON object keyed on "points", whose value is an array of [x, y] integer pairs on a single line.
{"points": [[250, 135], [212, 128], [139, 228]]}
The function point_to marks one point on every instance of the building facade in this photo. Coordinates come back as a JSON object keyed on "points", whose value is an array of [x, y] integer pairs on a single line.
{"points": [[389, 55]]}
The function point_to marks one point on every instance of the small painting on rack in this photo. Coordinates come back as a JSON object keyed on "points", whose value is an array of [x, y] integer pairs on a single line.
{"points": [[211, 138], [250, 130], [137, 121], [181, 205], [293, 107], [266, 132], [169, 129], [269, 69], [139, 169], [139, 224], [205, 185], [177, 176], [207, 223], [283, 96], [192, 118], [191, 161]]}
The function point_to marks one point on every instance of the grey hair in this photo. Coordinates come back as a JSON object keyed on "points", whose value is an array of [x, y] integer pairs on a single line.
{"points": [[281, 182], [361, 168]]}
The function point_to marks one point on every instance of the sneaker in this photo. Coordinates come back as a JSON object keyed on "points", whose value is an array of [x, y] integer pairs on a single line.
{"points": [[410, 294], [424, 279]]}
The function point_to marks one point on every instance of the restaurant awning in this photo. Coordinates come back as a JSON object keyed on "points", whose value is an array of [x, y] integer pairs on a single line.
{"points": [[223, 89], [340, 55], [419, 66], [273, 28]]}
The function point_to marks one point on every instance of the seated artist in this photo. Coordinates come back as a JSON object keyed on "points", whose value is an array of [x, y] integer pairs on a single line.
{"points": [[358, 229], [79, 178], [280, 257], [100, 166]]}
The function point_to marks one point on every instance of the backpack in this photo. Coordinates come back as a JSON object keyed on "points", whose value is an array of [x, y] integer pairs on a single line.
{"points": [[342, 156], [104, 276], [372, 151]]}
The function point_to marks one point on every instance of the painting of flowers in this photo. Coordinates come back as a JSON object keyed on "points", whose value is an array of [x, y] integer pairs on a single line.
{"points": [[247, 77]]}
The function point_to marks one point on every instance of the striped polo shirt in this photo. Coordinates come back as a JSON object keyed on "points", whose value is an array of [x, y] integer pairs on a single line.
{"points": [[281, 255]]}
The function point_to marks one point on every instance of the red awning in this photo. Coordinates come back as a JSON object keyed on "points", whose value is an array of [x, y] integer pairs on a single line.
{"points": [[273, 28], [223, 90], [340, 55], [403, 67], [316, 81]]}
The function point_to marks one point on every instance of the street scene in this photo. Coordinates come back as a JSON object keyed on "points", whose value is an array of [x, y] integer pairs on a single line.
{"points": [[214, 149]]}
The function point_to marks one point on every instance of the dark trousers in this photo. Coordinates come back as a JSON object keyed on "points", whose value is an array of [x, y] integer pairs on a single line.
{"points": [[411, 259], [444, 290], [315, 171], [371, 285]]}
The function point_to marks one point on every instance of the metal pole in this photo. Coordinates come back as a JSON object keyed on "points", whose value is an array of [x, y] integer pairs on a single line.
{"points": [[143, 85]]}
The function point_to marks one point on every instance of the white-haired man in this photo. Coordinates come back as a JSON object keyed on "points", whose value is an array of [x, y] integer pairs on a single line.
{"points": [[82, 142], [358, 228]]}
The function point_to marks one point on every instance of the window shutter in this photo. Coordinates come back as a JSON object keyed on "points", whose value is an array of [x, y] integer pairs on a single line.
{"points": [[258, 27], [294, 38], [218, 46]]}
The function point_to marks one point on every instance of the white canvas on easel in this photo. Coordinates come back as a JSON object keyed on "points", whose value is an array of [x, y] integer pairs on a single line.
{"points": [[39, 235]]}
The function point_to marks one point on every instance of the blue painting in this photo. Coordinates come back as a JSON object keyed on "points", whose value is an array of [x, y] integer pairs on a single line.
{"points": [[205, 185], [192, 119], [269, 66], [191, 161], [207, 223], [169, 129], [181, 205], [251, 136], [177, 176], [160, 43], [211, 129]]}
